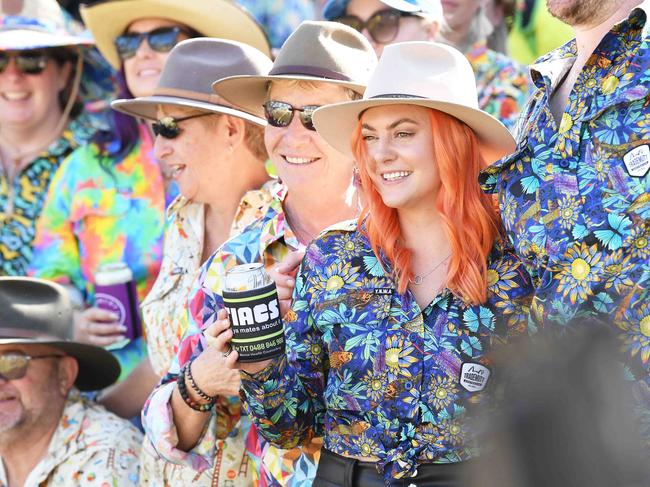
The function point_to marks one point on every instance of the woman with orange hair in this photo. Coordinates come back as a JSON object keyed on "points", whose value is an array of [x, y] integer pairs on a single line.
{"points": [[394, 314]]}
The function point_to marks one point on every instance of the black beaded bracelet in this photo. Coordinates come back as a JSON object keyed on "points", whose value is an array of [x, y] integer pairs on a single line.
{"points": [[195, 388], [182, 389]]}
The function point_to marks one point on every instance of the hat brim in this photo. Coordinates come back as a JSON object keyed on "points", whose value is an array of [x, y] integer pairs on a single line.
{"points": [[26, 39], [147, 107], [250, 92], [98, 368], [211, 18], [336, 124]]}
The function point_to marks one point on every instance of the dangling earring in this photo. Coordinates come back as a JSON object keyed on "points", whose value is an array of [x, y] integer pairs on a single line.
{"points": [[356, 177]]}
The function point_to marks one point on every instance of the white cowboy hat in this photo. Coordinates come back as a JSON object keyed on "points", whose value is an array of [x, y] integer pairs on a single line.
{"points": [[426, 74], [211, 18]]}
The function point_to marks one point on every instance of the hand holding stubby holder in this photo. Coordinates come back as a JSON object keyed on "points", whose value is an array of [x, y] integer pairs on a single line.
{"points": [[251, 299], [115, 291]]}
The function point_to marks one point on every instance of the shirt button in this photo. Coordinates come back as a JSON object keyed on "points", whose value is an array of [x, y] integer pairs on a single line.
{"points": [[414, 336], [564, 164]]}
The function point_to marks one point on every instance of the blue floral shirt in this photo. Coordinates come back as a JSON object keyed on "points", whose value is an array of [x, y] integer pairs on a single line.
{"points": [[575, 196], [373, 373]]}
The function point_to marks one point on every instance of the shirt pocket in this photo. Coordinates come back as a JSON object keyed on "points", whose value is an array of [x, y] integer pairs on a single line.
{"points": [[616, 164], [354, 327], [95, 210]]}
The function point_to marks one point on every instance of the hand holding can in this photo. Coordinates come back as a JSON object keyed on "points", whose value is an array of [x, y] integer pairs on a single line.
{"points": [[251, 299]]}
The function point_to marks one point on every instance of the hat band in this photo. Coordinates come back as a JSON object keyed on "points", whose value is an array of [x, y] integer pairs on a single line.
{"points": [[192, 95], [397, 95], [18, 333], [309, 71]]}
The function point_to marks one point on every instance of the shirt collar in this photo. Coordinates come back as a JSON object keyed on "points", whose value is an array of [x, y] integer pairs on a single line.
{"points": [[555, 64]]}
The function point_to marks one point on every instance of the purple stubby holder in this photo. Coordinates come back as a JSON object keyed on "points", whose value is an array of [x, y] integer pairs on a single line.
{"points": [[121, 299]]}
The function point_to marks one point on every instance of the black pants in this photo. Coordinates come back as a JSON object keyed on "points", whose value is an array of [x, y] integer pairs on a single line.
{"points": [[337, 471]]}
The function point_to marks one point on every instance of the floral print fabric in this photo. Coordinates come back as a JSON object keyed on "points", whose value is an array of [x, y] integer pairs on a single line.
{"points": [[266, 240], [373, 373], [90, 447], [575, 196]]}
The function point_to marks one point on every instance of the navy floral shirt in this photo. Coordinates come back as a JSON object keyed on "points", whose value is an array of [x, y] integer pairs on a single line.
{"points": [[575, 196], [373, 373]]}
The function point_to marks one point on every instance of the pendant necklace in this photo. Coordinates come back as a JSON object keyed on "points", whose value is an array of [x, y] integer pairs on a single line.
{"points": [[419, 278]]}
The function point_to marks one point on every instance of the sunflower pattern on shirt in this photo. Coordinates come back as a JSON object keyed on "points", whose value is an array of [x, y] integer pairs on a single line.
{"points": [[575, 196], [372, 372]]}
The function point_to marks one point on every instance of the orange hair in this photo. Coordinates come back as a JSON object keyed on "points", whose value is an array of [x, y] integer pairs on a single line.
{"points": [[470, 218]]}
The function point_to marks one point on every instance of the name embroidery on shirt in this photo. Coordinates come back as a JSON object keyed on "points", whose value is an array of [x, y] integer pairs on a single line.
{"points": [[473, 376], [637, 161]]}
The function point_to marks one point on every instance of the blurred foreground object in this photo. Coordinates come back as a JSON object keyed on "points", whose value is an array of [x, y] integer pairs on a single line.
{"points": [[567, 416]]}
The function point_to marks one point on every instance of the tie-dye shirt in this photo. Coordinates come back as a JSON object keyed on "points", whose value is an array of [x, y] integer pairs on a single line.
{"points": [[21, 201], [100, 211], [90, 447], [266, 240], [503, 85], [575, 196]]}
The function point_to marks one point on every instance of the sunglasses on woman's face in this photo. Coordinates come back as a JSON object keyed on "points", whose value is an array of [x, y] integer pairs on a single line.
{"points": [[160, 40], [27, 62], [168, 128], [13, 365], [382, 26], [280, 114]]}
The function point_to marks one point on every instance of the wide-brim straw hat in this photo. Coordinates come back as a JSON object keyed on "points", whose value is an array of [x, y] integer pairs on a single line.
{"points": [[426, 74], [36, 24], [317, 51], [190, 70], [223, 19], [38, 312]]}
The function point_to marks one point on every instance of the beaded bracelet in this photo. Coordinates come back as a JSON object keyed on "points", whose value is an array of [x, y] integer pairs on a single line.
{"points": [[182, 389], [195, 388]]}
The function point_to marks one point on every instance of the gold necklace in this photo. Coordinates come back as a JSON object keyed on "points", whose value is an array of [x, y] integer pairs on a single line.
{"points": [[419, 278]]}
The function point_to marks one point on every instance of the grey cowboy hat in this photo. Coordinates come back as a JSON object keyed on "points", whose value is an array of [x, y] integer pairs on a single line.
{"points": [[189, 72], [38, 312], [316, 51], [426, 74]]}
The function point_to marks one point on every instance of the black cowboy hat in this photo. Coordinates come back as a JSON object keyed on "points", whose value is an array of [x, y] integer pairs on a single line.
{"points": [[38, 312]]}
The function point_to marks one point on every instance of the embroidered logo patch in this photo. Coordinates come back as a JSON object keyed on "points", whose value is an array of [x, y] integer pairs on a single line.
{"points": [[474, 377], [637, 161]]}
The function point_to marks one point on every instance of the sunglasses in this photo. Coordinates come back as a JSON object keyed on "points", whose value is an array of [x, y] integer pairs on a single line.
{"points": [[168, 128], [13, 365], [28, 62], [160, 40], [382, 26], [280, 114]]}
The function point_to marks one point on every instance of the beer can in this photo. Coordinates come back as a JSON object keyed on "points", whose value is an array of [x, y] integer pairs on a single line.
{"points": [[251, 299], [115, 291]]}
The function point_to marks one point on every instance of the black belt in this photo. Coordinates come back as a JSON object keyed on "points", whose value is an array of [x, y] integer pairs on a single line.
{"points": [[338, 471]]}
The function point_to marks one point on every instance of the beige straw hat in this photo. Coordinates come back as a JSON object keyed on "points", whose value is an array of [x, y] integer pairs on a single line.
{"points": [[189, 72], [316, 51], [426, 74], [211, 18]]}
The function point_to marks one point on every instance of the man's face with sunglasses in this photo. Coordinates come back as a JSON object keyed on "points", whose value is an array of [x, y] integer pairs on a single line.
{"points": [[144, 49], [31, 392], [30, 82], [383, 25]]}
